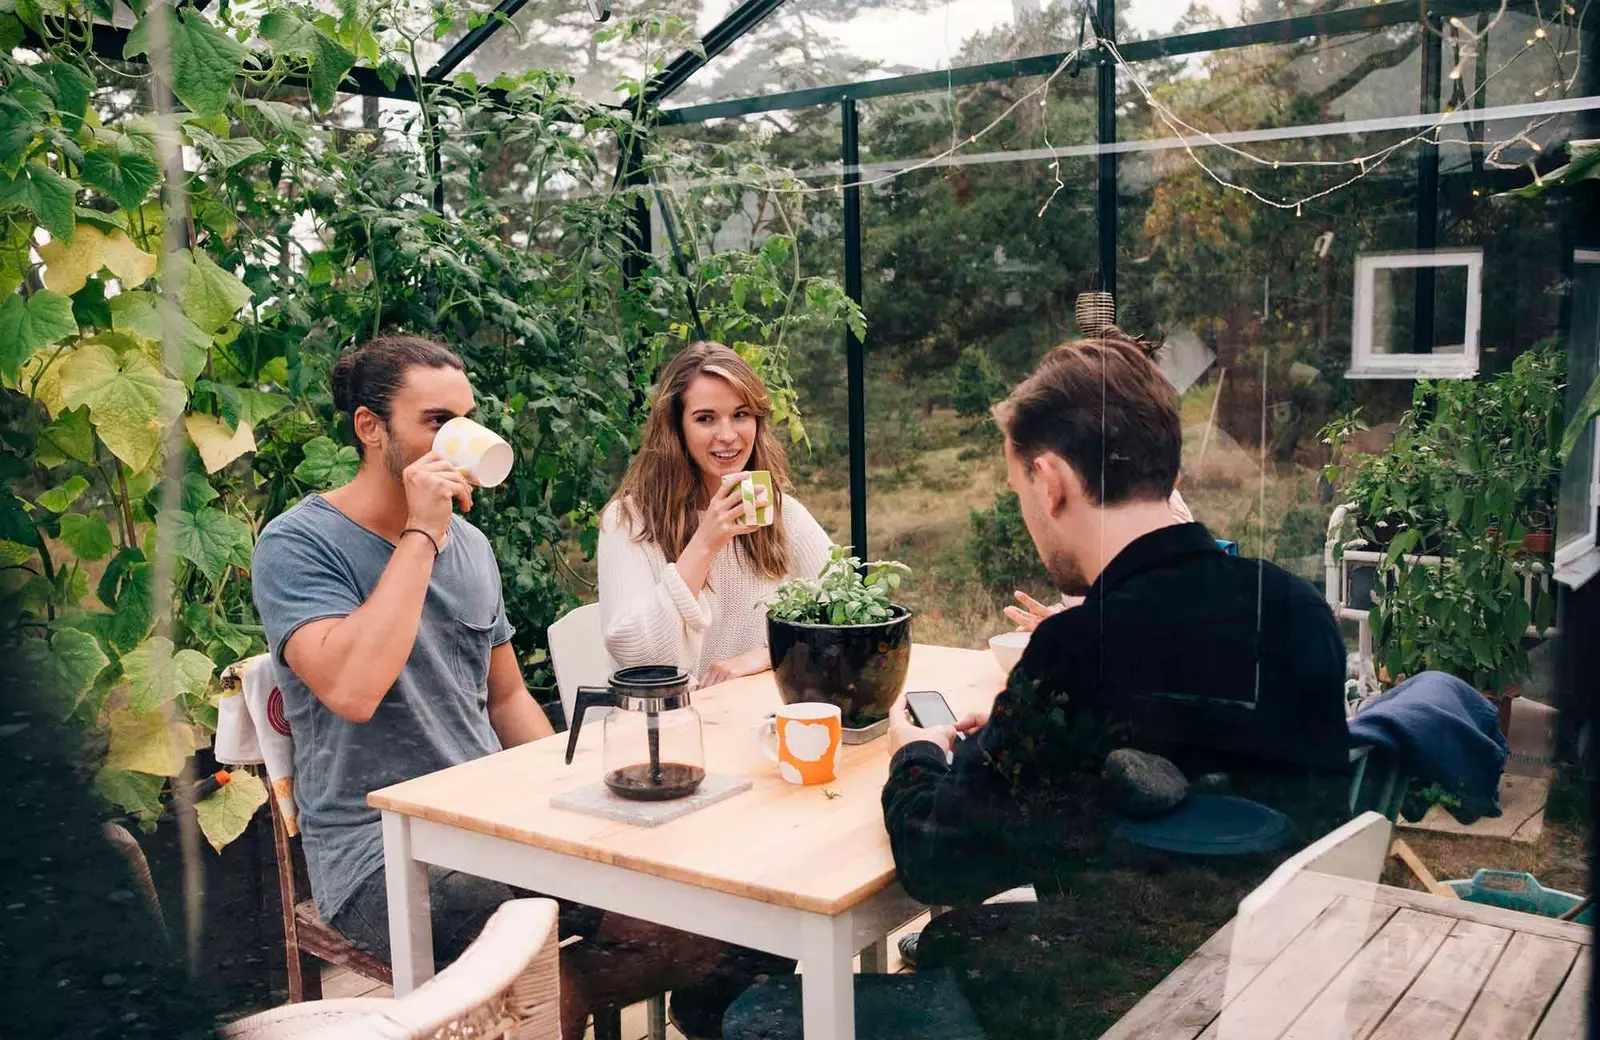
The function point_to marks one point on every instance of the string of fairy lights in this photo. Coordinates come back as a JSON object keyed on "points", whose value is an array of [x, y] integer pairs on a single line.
{"points": [[1558, 35]]}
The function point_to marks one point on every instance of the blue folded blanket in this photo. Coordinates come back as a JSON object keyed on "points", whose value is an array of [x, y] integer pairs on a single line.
{"points": [[1444, 732]]}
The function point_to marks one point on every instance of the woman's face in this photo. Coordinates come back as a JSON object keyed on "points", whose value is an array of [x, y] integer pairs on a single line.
{"points": [[719, 427]]}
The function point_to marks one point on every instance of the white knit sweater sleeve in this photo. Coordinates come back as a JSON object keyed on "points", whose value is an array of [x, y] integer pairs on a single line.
{"points": [[809, 544], [647, 613]]}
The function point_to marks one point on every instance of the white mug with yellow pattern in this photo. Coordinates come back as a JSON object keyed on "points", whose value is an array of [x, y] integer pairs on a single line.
{"points": [[482, 455]]}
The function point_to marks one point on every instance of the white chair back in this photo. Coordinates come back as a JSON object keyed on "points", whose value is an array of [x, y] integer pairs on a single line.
{"points": [[578, 654], [1356, 850]]}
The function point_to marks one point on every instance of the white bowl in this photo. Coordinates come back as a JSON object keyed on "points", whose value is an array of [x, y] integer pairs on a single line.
{"points": [[1007, 648]]}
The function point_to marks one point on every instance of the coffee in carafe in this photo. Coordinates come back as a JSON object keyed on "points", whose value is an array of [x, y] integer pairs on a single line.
{"points": [[652, 747]]}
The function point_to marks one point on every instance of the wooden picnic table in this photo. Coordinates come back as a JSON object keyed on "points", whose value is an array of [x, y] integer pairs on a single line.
{"points": [[1329, 957], [803, 872]]}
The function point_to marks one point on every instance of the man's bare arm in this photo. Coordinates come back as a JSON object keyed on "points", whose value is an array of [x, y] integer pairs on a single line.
{"points": [[513, 713]]}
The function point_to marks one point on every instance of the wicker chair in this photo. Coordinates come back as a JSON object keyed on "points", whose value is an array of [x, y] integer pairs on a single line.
{"points": [[506, 986]]}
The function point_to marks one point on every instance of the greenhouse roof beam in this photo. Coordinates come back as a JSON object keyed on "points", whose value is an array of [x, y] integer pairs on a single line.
{"points": [[462, 49], [723, 35], [1285, 30]]}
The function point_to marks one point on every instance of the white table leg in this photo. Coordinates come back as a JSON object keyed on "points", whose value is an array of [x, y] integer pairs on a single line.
{"points": [[875, 958], [410, 918], [827, 982]]}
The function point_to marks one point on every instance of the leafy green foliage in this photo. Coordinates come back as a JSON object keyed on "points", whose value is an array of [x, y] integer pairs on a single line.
{"points": [[137, 342], [29, 325], [1473, 467], [1001, 549], [841, 594]]}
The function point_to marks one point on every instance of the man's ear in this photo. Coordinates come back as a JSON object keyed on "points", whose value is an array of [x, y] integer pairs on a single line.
{"points": [[369, 428], [1061, 484]]}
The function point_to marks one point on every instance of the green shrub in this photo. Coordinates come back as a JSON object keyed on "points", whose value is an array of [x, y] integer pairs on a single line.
{"points": [[1002, 550]]}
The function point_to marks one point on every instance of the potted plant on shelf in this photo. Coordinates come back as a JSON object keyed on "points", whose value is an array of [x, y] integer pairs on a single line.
{"points": [[1468, 485], [839, 639]]}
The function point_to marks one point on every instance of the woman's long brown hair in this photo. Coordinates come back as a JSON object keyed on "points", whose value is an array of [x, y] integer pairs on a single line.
{"points": [[661, 495]]}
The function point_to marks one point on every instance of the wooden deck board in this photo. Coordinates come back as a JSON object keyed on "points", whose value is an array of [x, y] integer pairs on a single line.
{"points": [[1329, 958]]}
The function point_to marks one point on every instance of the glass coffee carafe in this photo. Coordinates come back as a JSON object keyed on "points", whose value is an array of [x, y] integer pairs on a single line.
{"points": [[652, 748]]}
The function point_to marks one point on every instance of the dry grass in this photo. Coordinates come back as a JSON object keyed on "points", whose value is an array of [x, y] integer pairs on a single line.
{"points": [[925, 522], [1558, 859]]}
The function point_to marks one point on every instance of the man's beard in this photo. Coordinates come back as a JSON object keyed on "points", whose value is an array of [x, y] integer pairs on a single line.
{"points": [[1066, 574], [393, 461]]}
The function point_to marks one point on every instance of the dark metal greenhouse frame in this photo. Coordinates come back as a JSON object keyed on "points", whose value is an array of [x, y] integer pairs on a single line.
{"points": [[108, 42]]}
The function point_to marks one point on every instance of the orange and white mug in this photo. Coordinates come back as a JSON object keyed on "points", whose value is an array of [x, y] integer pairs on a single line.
{"points": [[809, 737]]}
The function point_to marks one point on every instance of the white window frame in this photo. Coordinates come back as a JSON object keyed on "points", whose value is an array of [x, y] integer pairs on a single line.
{"points": [[1577, 559], [1366, 364]]}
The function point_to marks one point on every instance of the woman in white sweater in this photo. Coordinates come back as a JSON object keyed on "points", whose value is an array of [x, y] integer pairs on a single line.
{"points": [[682, 577]]}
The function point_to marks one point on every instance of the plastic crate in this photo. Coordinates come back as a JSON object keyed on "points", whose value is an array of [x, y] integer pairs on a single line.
{"points": [[1518, 890]]}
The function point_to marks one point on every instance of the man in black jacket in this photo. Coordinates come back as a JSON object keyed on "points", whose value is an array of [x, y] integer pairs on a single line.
{"points": [[1216, 662]]}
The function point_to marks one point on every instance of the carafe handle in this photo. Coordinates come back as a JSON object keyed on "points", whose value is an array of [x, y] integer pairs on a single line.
{"points": [[588, 697]]}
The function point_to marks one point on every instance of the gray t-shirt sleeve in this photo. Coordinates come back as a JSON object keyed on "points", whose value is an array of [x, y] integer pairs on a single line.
{"points": [[503, 628], [297, 579]]}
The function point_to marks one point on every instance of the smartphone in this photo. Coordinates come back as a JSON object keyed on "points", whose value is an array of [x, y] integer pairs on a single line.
{"points": [[928, 708]]}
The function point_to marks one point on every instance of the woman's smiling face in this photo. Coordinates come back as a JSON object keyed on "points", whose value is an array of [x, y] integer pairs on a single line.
{"points": [[719, 428]]}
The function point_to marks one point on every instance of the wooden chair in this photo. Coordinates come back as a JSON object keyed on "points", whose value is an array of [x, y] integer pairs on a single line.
{"points": [[308, 941], [506, 985]]}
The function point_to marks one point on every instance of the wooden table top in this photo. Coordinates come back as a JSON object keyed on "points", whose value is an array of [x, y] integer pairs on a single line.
{"points": [[778, 843], [1335, 959]]}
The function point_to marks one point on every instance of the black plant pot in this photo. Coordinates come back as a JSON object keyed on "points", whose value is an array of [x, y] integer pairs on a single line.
{"points": [[861, 668]]}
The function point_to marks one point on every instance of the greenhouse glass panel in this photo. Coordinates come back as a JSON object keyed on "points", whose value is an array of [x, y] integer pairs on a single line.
{"points": [[562, 36], [818, 43]]}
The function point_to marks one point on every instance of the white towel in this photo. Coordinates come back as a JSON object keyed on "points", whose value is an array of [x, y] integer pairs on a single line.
{"points": [[252, 729]]}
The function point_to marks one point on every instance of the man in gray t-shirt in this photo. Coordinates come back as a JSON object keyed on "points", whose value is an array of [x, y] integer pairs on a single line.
{"points": [[385, 620], [386, 623]]}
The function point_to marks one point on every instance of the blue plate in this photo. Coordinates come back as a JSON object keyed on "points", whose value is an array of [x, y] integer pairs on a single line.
{"points": [[1210, 825]]}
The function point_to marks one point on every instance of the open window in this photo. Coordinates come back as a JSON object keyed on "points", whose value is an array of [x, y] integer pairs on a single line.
{"points": [[1417, 315], [1578, 505]]}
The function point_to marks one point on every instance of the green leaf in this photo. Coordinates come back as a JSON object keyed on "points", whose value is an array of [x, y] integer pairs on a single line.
{"points": [[155, 675], [210, 539], [15, 525], [205, 60], [197, 491], [130, 402], [11, 33], [65, 666], [134, 613], [210, 295], [327, 465], [143, 742], [125, 175], [14, 260], [72, 88], [147, 314], [240, 404], [226, 812], [71, 435], [291, 35], [87, 536], [57, 499], [137, 793], [1588, 409], [224, 152], [29, 324], [89, 305], [46, 193]]}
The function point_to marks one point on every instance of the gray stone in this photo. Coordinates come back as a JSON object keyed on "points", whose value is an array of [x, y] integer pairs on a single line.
{"points": [[112, 979], [1142, 785], [1211, 783]]}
